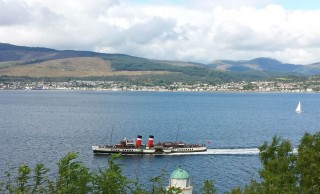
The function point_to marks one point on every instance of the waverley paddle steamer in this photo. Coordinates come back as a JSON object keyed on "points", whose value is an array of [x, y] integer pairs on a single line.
{"points": [[135, 147]]}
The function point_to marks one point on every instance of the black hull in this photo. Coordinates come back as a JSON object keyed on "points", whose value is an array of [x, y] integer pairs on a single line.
{"points": [[143, 153], [116, 152]]}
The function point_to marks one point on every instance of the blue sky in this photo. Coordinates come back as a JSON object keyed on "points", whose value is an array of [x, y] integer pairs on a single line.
{"points": [[300, 4], [287, 4]]}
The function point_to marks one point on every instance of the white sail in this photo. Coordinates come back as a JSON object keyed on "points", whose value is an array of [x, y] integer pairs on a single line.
{"points": [[298, 109]]}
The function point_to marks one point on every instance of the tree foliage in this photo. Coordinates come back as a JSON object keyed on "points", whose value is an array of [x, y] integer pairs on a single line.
{"points": [[278, 163], [308, 163], [285, 171], [158, 183], [73, 176], [110, 180], [208, 187]]}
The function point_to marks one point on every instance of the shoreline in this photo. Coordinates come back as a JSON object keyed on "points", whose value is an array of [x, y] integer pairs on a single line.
{"points": [[246, 87], [165, 91]]}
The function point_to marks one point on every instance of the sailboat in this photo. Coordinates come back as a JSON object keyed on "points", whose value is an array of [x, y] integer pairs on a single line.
{"points": [[298, 109]]}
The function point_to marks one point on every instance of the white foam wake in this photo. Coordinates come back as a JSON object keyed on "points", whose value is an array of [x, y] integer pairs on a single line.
{"points": [[230, 151], [218, 151], [235, 151]]}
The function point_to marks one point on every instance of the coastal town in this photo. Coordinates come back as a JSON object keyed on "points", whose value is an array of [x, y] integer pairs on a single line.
{"points": [[256, 86]]}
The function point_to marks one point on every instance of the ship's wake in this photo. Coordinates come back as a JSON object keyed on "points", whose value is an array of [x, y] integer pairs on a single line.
{"points": [[216, 151], [227, 151]]}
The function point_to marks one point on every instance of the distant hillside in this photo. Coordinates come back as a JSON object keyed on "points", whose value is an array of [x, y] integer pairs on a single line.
{"points": [[20, 61], [268, 65], [36, 62], [71, 67], [311, 69]]}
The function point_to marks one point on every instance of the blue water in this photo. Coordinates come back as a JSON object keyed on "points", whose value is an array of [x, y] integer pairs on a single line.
{"points": [[42, 126]]}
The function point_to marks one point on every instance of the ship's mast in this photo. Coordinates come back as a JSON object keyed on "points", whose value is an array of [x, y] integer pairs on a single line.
{"points": [[178, 132], [111, 134]]}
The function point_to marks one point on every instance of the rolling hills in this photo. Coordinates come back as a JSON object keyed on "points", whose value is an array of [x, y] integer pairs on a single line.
{"points": [[266, 65], [37, 62]]}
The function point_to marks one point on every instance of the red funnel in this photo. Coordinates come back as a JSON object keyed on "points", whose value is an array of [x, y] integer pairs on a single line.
{"points": [[150, 141], [138, 141]]}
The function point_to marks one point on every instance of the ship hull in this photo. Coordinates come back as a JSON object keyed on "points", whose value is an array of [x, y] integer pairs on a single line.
{"points": [[145, 151]]}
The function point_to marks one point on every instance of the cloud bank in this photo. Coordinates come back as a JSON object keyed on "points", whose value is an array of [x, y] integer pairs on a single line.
{"points": [[199, 31]]}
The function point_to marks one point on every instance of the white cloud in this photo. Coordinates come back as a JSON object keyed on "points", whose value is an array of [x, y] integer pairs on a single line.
{"points": [[13, 13], [199, 31]]}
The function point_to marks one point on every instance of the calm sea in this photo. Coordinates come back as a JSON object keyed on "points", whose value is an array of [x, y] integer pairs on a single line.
{"points": [[42, 126]]}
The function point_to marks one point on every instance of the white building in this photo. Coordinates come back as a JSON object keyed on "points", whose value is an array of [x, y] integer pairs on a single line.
{"points": [[180, 179]]}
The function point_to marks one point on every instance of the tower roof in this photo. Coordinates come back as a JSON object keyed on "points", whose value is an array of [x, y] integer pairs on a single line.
{"points": [[179, 173]]}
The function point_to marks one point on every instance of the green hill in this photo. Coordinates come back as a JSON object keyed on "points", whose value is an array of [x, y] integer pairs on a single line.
{"points": [[37, 62]]}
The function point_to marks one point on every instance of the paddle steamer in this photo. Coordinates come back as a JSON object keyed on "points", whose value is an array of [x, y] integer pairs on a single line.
{"points": [[135, 147]]}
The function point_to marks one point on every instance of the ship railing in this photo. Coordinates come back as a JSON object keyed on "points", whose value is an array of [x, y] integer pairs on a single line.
{"points": [[118, 146], [191, 145], [107, 146], [179, 144]]}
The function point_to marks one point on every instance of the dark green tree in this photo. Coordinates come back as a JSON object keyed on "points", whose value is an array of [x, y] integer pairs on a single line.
{"points": [[278, 174], [110, 180], [278, 162], [40, 179], [158, 184], [308, 163], [137, 188], [73, 176], [208, 187], [253, 188], [174, 190], [7, 182], [22, 179]]}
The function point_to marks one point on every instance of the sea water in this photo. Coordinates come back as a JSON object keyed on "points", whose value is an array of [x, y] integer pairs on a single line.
{"points": [[42, 126]]}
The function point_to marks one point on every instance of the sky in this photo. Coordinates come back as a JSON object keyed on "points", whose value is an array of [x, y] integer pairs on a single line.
{"points": [[185, 30]]}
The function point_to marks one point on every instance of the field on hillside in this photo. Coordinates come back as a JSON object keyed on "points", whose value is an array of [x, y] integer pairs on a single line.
{"points": [[71, 67]]}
